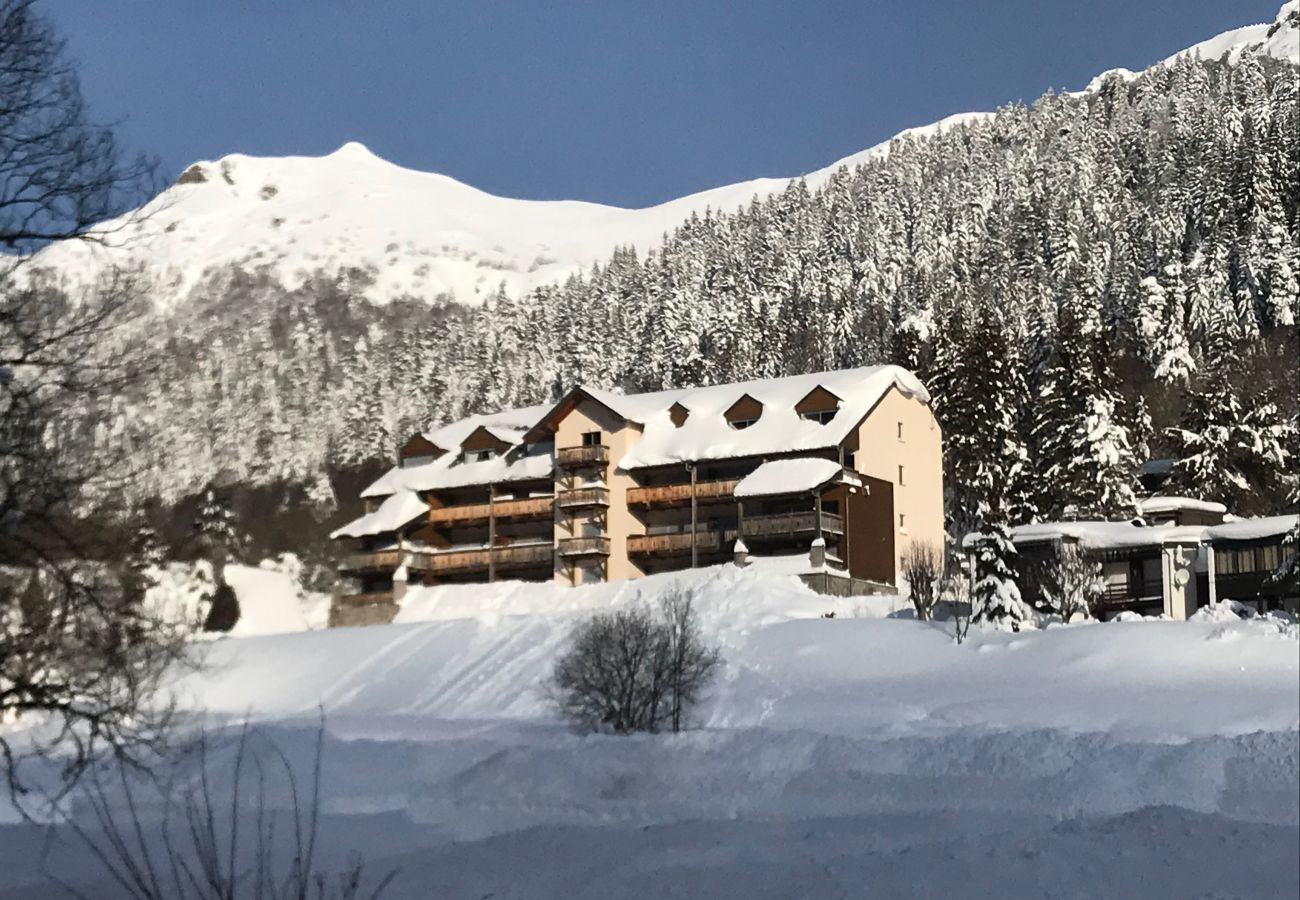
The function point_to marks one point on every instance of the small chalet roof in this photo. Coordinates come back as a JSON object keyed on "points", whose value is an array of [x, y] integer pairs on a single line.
{"points": [[1126, 535], [400, 509], [1153, 505], [787, 476], [1251, 529], [450, 471]]}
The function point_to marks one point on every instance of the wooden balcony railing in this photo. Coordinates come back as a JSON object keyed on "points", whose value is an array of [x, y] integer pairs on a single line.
{"points": [[576, 457], [584, 546], [523, 555], [369, 598], [583, 498], [506, 557], [1134, 592], [790, 523], [374, 561], [528, 508], [669, 544], [680, 494]]}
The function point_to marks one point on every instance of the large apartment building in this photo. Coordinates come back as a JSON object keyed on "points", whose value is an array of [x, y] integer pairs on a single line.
{"points": [[835, 472]]}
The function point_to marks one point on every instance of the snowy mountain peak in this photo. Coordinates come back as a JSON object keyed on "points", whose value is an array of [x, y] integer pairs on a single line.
{"points": [[425, 235]]}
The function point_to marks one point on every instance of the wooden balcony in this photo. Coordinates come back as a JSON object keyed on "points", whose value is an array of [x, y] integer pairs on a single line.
{"points": [[578, 457], [680, 494], [790, 523], [583, 498], [672, 544], [583, 546], [374, 561], [504, 510], [502, 558], [369, 598]]}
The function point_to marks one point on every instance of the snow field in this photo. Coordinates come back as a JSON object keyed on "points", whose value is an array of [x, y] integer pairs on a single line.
{"points": [[856, 756]]}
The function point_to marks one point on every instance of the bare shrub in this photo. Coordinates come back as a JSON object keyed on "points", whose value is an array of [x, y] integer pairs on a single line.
{"points": [[631, 670], [207, 832], [923, 569], [1072, 583]]}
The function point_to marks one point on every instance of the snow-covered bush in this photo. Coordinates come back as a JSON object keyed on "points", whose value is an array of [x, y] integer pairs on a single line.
{"points": [[632, 670], [181, 592], [1072, 583], [923, 572]]}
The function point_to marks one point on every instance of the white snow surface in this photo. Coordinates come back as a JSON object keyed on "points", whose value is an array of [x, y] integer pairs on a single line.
{"points": [[1252, 529], [422, 234], [1174, 504], [402, 507], [1102, 535], [787, 476], [831, 757], [706, 434]]}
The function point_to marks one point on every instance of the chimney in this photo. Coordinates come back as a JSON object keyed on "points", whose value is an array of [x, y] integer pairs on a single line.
{"points": [[740, 554], [400, 578], [817, 555]]}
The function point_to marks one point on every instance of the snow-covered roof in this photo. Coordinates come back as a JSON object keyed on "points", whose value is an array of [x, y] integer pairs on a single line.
{"points": [[450, 470], [1251, 529], [398, 510], [706, 434], [787, 476], [1125, 535], [1153, 505]]}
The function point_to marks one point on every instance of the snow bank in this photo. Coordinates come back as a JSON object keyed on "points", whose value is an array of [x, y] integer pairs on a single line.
{"points": [[481, 653]]}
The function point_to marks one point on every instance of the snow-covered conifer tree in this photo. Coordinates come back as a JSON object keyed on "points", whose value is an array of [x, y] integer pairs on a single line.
{"points": [[995, 596]]}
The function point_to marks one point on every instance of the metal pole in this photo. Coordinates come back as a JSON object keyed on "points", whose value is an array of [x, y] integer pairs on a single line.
{"points": [[695, 550], [492, 533]]}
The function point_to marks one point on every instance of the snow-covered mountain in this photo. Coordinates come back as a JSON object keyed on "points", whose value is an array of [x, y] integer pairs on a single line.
{"points": [[423, 234]]}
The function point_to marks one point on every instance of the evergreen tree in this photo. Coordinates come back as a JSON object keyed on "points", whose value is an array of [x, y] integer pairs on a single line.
{"points": [[995, 596], [1230, 444]]}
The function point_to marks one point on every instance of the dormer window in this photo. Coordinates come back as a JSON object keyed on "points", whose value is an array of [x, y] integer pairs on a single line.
{"points": [[418, 451], [818, 405], [482, 445], [678, 414], [743, 413]]}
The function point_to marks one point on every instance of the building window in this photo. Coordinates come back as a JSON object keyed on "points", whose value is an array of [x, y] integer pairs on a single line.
{"points": [[902, 520], [820, 416], [742, 424], [591, 439], [409, 462], [900, 431], [471, 456], [900, 476]]}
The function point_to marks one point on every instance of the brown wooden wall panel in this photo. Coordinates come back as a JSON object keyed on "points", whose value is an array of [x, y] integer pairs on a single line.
{"points": [[744, 408], [870, 525], [817, 400]]}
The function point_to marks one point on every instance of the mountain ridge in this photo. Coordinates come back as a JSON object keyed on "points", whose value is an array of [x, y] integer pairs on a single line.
{"points": [[426, 235]]}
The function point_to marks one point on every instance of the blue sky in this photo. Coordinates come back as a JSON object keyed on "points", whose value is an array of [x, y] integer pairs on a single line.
{"points": [[623, 103]]}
